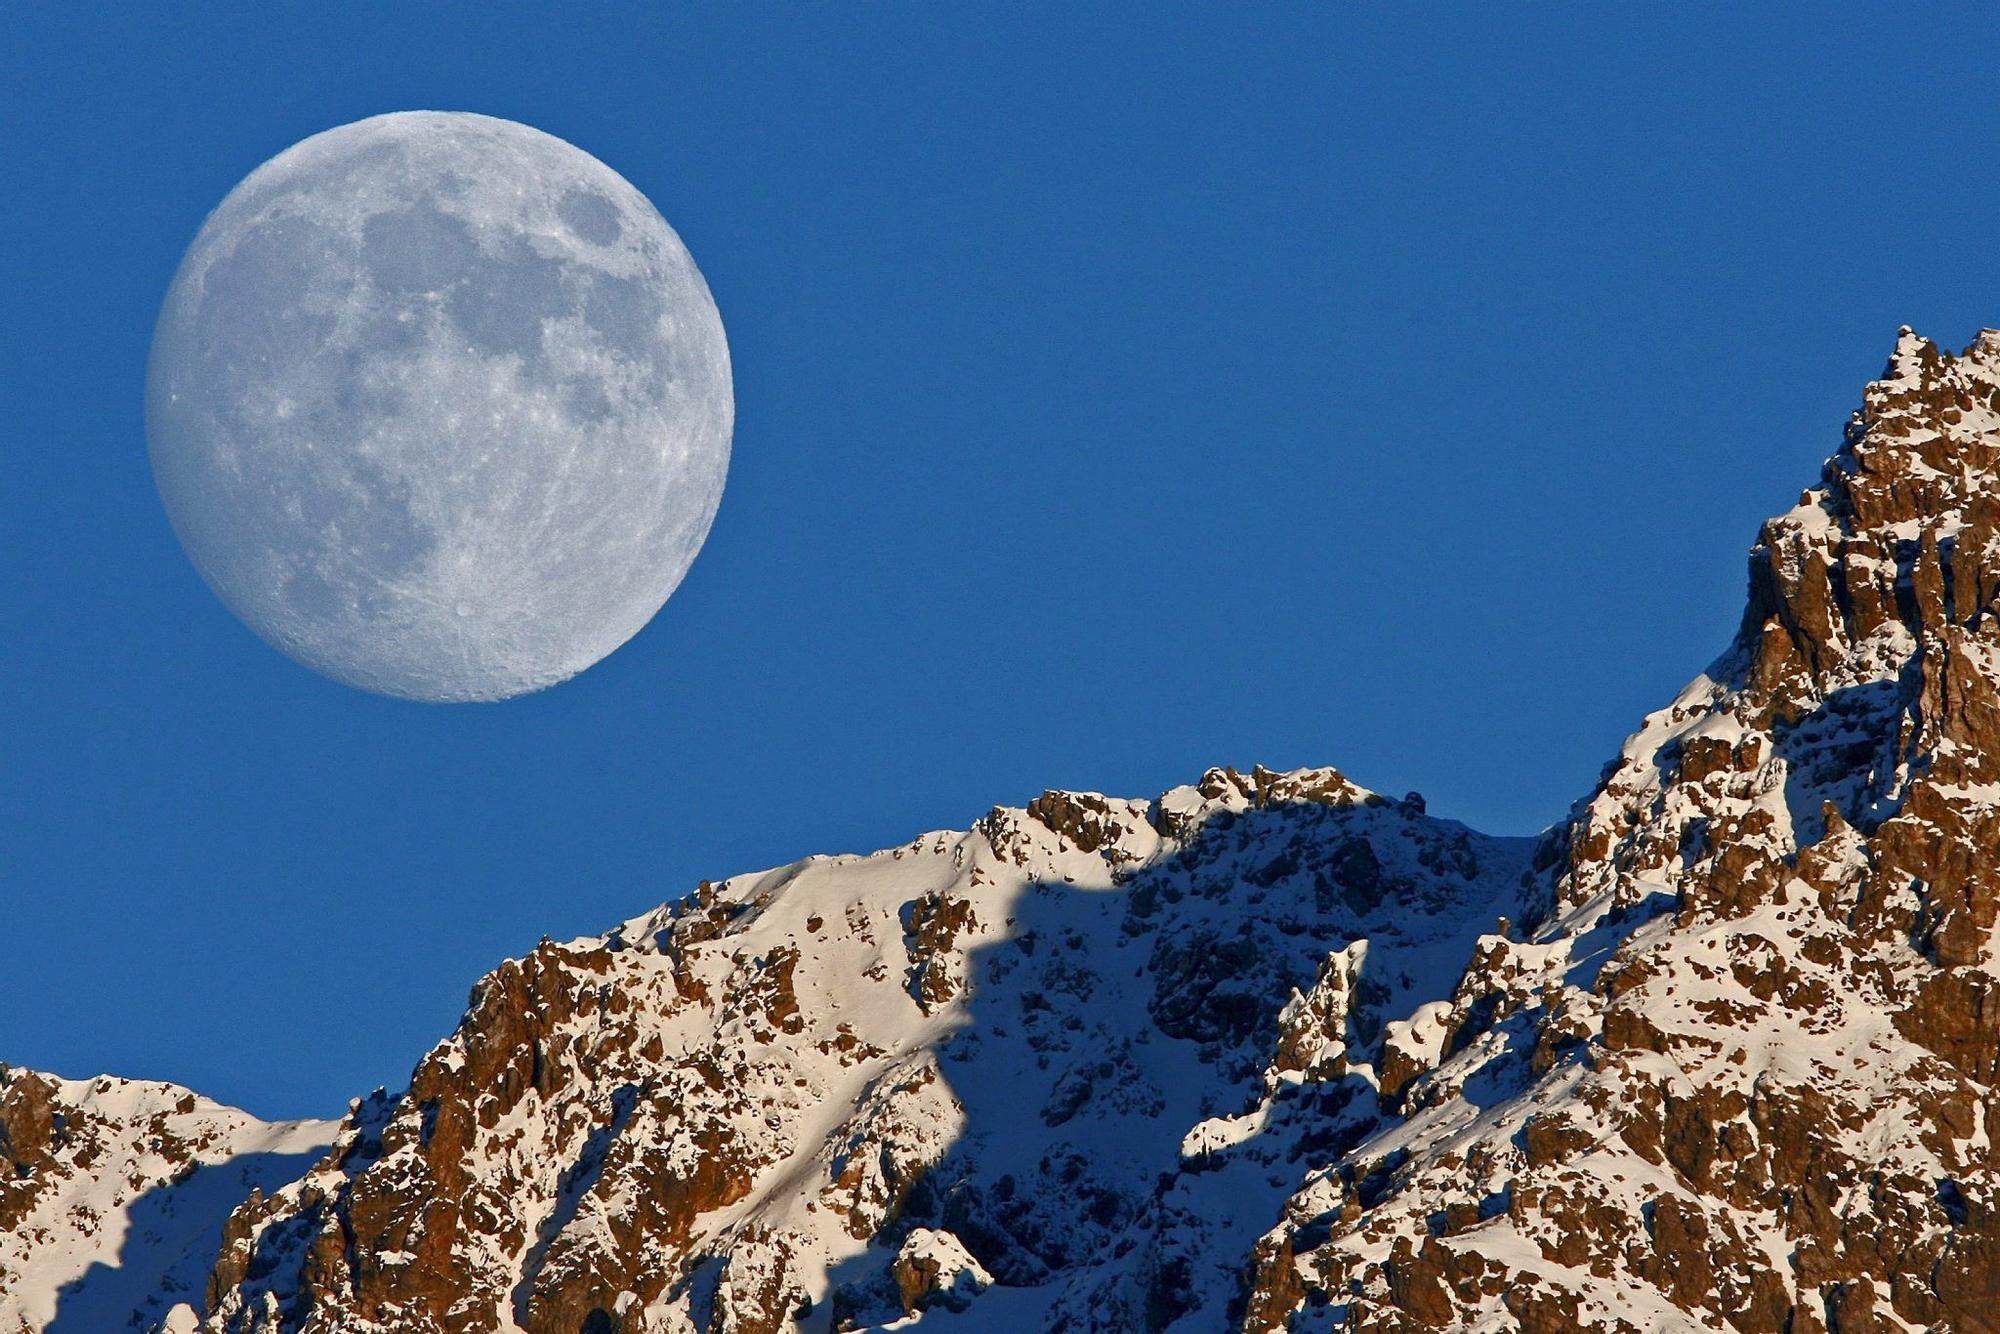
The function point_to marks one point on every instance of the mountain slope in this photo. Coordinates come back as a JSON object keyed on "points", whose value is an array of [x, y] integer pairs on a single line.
{"points": [[113, 1194], [1272, 1052], [1742, 1074], [856, 1085]]}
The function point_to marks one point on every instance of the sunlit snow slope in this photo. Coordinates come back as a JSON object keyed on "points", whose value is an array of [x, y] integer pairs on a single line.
{"points": [[113, 1194]]}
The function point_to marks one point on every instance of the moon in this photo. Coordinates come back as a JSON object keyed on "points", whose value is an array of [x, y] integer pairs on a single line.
{"points": [[440, 406]]}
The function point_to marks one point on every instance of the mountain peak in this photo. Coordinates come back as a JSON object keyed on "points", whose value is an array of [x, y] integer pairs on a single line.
{"points": [[113, 1193]]}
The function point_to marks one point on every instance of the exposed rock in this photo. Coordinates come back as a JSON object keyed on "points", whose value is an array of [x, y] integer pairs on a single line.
{"points": [[933, 925]]}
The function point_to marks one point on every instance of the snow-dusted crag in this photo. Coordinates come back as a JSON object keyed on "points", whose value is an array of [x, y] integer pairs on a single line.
{"points": [[1740, 1070], [113, 1194], [1272, 1052], [1065, 1067]]}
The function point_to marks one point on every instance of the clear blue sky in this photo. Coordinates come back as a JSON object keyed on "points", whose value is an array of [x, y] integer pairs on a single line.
{"points": [[1117, 396]]}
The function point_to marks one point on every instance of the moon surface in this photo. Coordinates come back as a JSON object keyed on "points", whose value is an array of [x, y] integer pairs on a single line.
{"points": [[440, 406]]}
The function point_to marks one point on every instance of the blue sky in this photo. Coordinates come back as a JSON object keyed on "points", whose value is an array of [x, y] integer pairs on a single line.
{"points": [[1117, 396]]}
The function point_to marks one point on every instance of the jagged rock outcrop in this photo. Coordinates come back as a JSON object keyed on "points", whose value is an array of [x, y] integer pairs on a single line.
{"points": [[1272, 1052], [1739, 1073], [934, 1269]]}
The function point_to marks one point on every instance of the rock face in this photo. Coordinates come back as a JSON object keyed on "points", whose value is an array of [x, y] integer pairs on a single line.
{"points": [[113, 1194], [1272, 1052]]}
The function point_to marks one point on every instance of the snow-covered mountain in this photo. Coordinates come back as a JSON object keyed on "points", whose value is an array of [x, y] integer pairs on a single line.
{"points": [[113, 1193], [1269, 1052], [1056, 1044]]}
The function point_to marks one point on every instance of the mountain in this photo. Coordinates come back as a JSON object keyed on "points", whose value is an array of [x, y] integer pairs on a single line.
{"points": [[114, 1192], [1271, 1051], [1066, 1052]]}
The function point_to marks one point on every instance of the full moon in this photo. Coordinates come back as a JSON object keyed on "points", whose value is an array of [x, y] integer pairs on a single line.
{"points": [[440, 406]]}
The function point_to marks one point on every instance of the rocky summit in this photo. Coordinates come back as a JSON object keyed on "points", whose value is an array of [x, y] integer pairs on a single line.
{"points": [[1268, 1052]]}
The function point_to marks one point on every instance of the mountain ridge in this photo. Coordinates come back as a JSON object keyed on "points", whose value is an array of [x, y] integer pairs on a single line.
{"points": [[117, 1191], [1271, 1051]]}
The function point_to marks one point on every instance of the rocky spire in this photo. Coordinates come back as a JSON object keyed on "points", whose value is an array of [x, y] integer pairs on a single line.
{"points": [[1744, 1059]]}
